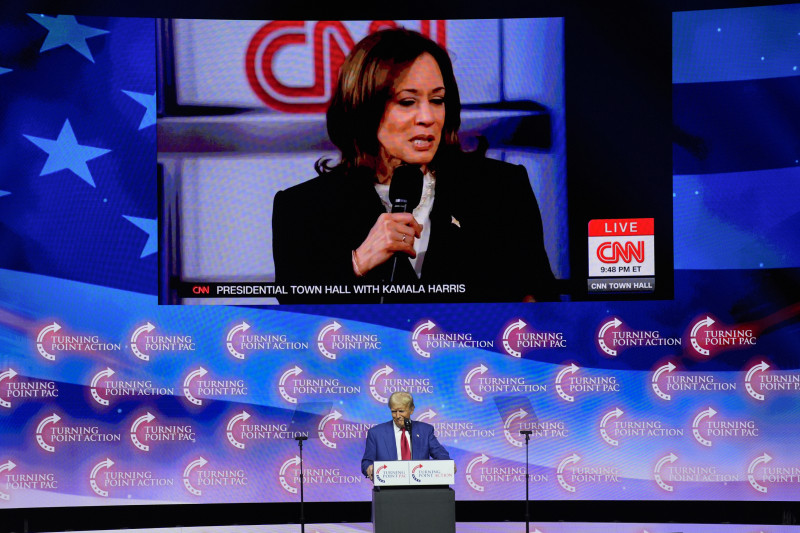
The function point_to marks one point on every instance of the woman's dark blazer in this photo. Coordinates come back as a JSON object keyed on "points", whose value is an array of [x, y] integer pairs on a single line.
{"points": [[486, 235]]}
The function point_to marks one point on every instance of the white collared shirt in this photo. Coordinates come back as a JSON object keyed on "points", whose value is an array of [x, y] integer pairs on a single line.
{"points": [[398, 433]]}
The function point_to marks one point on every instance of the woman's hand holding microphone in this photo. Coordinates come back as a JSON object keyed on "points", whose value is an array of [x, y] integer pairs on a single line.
{"points": [[391, 233]]}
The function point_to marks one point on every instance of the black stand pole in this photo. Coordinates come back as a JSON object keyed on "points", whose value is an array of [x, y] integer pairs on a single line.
{"points": [[527, 434], [300, 440]]}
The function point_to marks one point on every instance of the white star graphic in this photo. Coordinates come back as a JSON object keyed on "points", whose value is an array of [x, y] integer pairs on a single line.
{"points": [[64, 30], [149, 103], [149, 226], [66, 153]]}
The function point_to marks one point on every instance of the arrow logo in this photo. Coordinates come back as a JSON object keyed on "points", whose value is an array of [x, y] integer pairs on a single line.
{"points": [[516, 415], [200, 372], [285, 484], [616, 413], [706, 322], [426, 326], [144, 419], [571, 369], [601, 340], [240, 328], [107, 373], [671, 458], [335, 326], [760, 367], [8, 466], [334, 415], [574, 458], [751, 477], [8, 374], [519, 324], [669, 367], [135, 340], [107, 463], [427, 415], [482, 458], [52, 328], [385, 371], [241, 417], [472, 373], [197, 463], [52, 419], [708, 413], [296, 371]]}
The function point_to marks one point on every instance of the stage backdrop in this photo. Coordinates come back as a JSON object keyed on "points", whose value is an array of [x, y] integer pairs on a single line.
{"points": [[107, 398]]}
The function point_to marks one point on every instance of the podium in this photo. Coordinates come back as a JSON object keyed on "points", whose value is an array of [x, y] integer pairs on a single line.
{"points": [[413, 497]]}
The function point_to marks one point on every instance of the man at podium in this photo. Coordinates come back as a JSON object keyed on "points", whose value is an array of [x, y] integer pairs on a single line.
{"points": [[399, 439]]}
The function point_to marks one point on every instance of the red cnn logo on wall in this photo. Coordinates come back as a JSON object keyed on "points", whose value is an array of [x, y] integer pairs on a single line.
{"points": [[330, 42], [621, 247]]}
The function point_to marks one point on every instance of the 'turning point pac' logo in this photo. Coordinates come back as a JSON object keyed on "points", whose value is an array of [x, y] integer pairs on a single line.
{"points": [[381, 386], [8, 466], [144, 419], [330, 341], [574, 458], [708, 337], [6, 375], [333, 415], [144, 344], [515, 339], [200, 462], [195, 390], [516, 415]]}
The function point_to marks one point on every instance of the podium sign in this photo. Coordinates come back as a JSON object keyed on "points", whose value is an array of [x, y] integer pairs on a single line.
{"points": [[432, 472], [391, 473], [404, 473]]}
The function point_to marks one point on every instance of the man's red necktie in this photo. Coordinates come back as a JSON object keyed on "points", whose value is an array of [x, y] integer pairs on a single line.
{"points": [[405, 449]]}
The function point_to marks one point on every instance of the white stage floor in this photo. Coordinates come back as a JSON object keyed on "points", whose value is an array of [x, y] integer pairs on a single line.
{"points": [[487, 527]]}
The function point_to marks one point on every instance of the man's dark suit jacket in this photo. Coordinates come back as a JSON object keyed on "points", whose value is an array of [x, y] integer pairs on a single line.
{"points": [[381, 445], [486, 234]]}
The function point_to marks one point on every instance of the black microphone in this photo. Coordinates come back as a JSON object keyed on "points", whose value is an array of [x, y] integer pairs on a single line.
{"points": [[301, 438], [405, 191], [407, 423], [525, 432]]}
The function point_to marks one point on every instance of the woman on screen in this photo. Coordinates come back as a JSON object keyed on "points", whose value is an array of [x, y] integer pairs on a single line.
{"points": [[476, 232]]}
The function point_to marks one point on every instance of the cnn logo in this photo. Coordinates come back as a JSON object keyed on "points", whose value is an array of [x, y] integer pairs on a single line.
{"points": [[330, 42], [615, 252]]}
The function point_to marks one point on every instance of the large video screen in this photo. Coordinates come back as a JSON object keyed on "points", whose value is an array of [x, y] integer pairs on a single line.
{"points": [[140, 156]]}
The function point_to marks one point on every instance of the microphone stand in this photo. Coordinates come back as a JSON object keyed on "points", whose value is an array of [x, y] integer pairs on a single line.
{"points": [[300, 440], [527, 433]]}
